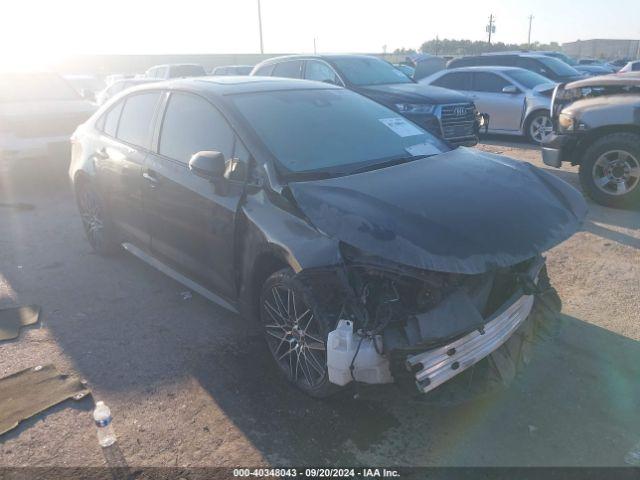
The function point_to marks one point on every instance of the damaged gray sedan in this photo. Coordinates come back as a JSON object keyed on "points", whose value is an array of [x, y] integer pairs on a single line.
{"points": [[368, 250]]}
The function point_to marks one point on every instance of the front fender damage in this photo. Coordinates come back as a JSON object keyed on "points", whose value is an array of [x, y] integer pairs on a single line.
{"points": [[391, 322]]}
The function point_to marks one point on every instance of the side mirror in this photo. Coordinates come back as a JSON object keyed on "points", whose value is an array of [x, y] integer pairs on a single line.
{"points": [[208, 164], [510, 89]]}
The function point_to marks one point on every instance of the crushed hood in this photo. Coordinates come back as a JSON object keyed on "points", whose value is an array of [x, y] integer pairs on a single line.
{"points": [[463, 211]]}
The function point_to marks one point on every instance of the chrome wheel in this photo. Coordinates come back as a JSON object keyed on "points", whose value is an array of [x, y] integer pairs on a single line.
{"points": [[92, 216], [294, 336], [616, 172], [540, 128]]}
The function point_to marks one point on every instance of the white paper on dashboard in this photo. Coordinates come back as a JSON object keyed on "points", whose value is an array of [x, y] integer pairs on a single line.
{"points": [[401, 127], [425, 148]]}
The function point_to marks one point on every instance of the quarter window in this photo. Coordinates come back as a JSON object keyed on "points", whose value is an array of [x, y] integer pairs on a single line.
{"points": [[111, 119], [289, 69], [137, 118], [488, 82], [191, 125], [265, 71]]}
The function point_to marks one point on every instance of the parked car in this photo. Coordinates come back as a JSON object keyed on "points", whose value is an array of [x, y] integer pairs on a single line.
{"points": [[38, 113], [232, 70], [552, 68], [617, 64], [175, 70], [86, 85], [357, 240], [118, 86], [111, 79], [517, 100], [445, 113], [589, 69], [597, 126], [408, 70], [633, 66]]}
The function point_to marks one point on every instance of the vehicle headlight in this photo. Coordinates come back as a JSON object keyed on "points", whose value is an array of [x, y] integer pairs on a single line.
{"points": [[417, 108], [566, 122]]}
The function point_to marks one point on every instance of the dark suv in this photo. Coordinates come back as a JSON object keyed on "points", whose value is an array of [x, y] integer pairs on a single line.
{"points": [[445, 113], [549, 67], [597, 126]]}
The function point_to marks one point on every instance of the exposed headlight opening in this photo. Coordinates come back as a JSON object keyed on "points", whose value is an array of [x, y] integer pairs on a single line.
{"points": [[566, 122]]}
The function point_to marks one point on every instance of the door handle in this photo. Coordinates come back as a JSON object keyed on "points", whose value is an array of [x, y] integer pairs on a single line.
{"points": [[153, 181]]}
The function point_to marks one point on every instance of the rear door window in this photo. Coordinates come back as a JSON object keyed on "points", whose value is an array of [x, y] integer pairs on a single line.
{"points": [[136, 121], [289, 69], [191, 125], [454, 81], [488, 82]]}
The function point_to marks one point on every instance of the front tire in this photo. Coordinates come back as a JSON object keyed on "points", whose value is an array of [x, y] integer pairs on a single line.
{"points": [[538, 127], [295, 334], [98, 227], [610, 170]]}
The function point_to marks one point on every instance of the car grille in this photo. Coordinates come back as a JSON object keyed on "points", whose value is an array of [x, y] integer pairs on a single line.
{"points": [[458, 120]]}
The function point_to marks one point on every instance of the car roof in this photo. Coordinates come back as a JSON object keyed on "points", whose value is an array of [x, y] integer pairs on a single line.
{"points": [[482, 68], [311, 57], [216, 86]]}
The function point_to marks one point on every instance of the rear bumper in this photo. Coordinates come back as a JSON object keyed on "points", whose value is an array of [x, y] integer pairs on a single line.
{"points": [[557, 150]]}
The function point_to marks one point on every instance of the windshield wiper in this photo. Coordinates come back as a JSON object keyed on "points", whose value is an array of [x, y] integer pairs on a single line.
{"points": [[388, 163]]}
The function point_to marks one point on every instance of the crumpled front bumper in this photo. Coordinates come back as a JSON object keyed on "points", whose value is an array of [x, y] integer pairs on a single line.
{"points": [[443, 363], [557, 150]]}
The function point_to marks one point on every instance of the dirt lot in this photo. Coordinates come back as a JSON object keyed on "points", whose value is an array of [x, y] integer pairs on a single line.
{"points": [[189, 386]]}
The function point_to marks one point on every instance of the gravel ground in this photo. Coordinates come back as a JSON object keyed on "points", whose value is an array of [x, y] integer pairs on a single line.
{"points": [[190, 385]]}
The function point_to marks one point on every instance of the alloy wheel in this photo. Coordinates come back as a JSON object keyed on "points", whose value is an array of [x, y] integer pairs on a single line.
{"points": [[92, 216], [616, 172], [540, 128], [294, 336]]}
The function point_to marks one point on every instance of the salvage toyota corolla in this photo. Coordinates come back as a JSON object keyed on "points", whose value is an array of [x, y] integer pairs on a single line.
{"points": [[368, 250]]}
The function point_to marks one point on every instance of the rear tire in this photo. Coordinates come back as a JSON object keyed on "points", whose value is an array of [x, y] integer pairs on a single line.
{"points": [[295, 334], [100, 230], [610, 170]]}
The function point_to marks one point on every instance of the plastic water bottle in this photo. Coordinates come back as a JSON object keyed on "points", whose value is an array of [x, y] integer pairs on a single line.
{"points": [[102, 417]]}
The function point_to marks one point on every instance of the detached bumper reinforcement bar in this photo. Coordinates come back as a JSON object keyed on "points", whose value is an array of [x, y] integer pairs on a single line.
{"points": [[443, 363]]}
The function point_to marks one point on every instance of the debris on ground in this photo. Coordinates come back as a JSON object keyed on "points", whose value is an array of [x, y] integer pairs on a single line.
{"points": [[18, 206], [34, 390], [186, 295], [13, 319]]}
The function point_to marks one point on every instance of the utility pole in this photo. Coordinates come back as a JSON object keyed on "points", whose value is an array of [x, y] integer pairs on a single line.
{"points": [[260, 27], [315, 52], [491, 28], [529, 37]]}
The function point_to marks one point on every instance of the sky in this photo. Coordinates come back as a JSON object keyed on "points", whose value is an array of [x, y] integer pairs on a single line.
{"points": [[32, 31]]}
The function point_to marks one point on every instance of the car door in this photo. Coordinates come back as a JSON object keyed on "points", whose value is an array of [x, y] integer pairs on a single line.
{"points": [[192, 220], [119, 162], [504, 108]]}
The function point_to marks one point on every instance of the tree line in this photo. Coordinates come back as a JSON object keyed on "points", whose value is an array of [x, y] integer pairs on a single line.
{"points": [[448, 46]]}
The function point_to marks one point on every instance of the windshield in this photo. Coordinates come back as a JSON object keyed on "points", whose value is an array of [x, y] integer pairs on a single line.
{"points": [[332, 131], [35, 87], [363, 71], [187, 71], [565, 58], [559, 67], [527, 78]]}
